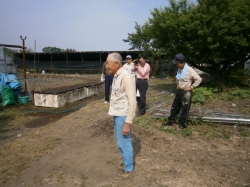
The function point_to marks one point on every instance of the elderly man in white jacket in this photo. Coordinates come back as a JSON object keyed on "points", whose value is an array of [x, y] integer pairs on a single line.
{"points": [[122, 107]]}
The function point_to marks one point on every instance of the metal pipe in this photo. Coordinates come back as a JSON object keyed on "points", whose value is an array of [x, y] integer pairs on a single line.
{"points": [[214, 119], [225, 120]]}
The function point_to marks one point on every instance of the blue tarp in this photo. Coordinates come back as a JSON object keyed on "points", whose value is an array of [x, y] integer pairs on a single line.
{"points": [[11, 81]]}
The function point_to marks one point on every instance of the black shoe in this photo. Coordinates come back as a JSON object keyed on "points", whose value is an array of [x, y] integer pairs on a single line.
{"points": [[139, 114], [182, 126], [169, 123]]}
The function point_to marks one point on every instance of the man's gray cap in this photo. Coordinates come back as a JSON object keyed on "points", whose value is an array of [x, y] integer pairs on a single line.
{"points": [[178, 58]]}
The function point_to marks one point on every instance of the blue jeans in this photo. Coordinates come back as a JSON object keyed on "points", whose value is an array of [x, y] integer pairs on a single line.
{"points": [[124, 143]]}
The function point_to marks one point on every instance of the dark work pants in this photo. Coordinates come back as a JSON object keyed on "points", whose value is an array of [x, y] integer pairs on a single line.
{"points": [[142, 86], [182, 102], [108, 83]]}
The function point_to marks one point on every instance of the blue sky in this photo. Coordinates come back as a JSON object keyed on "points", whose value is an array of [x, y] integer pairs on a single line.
{"points": [[79, 24]]}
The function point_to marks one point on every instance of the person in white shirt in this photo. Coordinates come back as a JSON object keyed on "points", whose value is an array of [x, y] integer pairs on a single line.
{"points": [[129, 65]]}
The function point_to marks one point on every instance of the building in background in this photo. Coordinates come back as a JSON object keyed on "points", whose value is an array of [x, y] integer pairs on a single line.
{"points": [[68, 62]]}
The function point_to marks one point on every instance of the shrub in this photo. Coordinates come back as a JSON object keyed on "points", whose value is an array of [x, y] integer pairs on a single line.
{"points": [[243, 93], [201, 94]]}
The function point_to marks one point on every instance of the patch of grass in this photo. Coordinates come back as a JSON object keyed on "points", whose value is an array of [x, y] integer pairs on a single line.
{"points": [[187, 132], [145, 122], [226, 96], [59, 176], [169, 130], [216, 131], [236, 92], [197, 121], [8, 113], [222, 131], [215, 134], [110, 162], [52, 143], [244, 132], [164, 119], [227, 135]]}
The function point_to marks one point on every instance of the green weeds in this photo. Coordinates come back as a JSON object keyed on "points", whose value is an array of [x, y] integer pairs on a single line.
{"points": [[169, 130], [237, 92], [186, 132], [245, 132]]}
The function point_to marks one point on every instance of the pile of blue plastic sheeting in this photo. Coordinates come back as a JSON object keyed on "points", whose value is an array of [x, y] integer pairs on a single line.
{"points": [[11, 81]]}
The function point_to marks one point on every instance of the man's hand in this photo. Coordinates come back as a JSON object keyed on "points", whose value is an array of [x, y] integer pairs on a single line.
{"points": [[126, 129], [188, 88]]}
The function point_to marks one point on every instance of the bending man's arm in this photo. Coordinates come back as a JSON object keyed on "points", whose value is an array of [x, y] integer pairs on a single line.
{"points": [[197, 79]]}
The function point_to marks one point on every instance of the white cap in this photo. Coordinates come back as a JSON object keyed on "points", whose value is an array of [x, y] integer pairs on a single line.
{"points": [[129, 56]]}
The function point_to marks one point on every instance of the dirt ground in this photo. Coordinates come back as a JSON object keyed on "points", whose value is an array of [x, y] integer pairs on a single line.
{"points": [[74, 146], [52, 80]]}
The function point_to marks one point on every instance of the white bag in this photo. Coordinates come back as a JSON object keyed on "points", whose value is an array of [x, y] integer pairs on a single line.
{"points": [[137, 93], [102, 78]]}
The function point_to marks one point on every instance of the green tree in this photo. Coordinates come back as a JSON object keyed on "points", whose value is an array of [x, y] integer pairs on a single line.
{"points": [[70, 50], [51, 49], [211, 32], [10, 52]]}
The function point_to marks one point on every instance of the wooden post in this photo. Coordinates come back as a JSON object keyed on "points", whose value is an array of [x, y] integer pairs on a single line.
{"points": [[35, 57], [24, 61]]}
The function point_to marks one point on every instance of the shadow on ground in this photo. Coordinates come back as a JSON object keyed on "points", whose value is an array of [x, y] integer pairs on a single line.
{"points": [[19, 119]]}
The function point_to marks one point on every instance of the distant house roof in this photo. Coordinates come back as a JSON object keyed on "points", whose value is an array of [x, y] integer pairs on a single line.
{"points": [[11, 46]]}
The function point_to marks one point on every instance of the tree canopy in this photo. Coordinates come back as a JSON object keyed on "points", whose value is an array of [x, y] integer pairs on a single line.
{"points": [[211, 32], [56, 49], [51, 49]]}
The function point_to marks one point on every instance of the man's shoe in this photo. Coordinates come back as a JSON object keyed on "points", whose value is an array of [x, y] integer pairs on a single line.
{"points": [[125, 175], [120, 167], [169, 123], [139, 114], [182, 126], [105, 102]]}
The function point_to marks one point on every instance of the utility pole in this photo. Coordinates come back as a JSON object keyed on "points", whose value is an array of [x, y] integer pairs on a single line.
{"points": [[35, 57], [24, 61]]}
